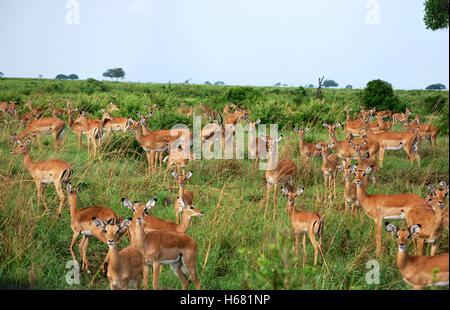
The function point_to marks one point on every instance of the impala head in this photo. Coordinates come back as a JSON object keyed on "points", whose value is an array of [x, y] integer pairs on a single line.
{"points": [[403, 235], [291, 193], [139, 209], [332, 128], [358, 147], [72, 192], [189, 210], [438, 195], [360, 175], [301, 131], [325, 149], [21, 147], [241, 114], [113, 107], [112, 229], [181, 178], [271, 143], [252, 125], [347, 171]]}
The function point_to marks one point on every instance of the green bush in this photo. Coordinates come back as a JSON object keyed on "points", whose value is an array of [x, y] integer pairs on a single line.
{"points": [[241, 94], [380, 94]]}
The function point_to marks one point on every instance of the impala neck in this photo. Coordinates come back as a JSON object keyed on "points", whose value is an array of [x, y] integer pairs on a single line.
{"points": [[402, 258], [185, 219], [114, 257], [138, 234], [301, 141], [138, 133], [70, 119], [72, 201], [290, 208], [27, 161], [361, 193]]}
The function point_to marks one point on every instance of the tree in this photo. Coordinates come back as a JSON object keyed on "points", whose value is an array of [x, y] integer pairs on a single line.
{"points": [[330, 83], [207, 83], [1, 75], [40, 76], [187, 81], [61, 77], [349, 87], [436, 14], [319, 88], [72, 77], [380, 94], [437, 86], [277, 84], [311, 86], [114, 73], [219, 83]]}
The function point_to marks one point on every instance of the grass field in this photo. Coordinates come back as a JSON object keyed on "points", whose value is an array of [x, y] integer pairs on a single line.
{"points": [[238, 247]]}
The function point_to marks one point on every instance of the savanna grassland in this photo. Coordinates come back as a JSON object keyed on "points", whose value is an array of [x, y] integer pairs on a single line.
{"points": [[239, 248]]}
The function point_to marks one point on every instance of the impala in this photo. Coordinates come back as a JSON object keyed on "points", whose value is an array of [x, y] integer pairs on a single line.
{"points": [[76, 128], [364, 159], [350, 200], [354, 126], [254, 144], [186, 195], [419, 271], [343, 149], [124, 267], [93, 129], [81, 223], [43, 126], [408, 141], [43, 172], [278, 173], [111, 124], [426, 131], [307, 150], [303, 223], [383, 206], [165, 247], [330, 164], [430, 218]]}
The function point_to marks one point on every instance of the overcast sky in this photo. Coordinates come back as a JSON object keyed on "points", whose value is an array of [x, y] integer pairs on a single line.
{"points": [[248, 42]]}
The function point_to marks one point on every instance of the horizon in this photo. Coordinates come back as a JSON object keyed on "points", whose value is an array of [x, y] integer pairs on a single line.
{"points": [[174, 41]]}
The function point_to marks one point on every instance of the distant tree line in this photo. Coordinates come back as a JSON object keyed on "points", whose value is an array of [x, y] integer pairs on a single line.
{"points": [[65, 77], [114, 73]]}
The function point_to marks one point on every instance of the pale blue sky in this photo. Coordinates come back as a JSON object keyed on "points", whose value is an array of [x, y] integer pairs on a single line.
{"points": [[249, 42]]}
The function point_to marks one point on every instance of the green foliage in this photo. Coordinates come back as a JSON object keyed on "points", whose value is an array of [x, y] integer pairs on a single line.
{"points": [[92, 85], [436, 14], [380, 94], [61, 77], [437, 86], [349, 87], [330, 83], [241, 94], [114, 73], [1, 75]]}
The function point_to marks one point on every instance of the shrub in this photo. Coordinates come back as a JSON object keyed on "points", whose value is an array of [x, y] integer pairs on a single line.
{"points": [[380, 94], [241, 94]]}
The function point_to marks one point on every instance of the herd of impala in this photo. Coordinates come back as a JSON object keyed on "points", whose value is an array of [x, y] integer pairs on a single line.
{"points": [[156, 242]]}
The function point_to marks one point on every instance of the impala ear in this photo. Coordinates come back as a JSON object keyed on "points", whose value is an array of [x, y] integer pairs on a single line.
{"points": [[279, 138], [415, 229], [69, 188], [284, 191], [368, 169], [390, 227], [174, 174], [79, 187], [300, 190], [150, 204], [443, 184], [338, 125], [124, 225], [127, 203], [318, 146], [325, 125], [353, 168], [430, 187], [188, 175], [258, 121], [306, 129], [331, 145], [99, 223], [296, 129], [340, 168]]}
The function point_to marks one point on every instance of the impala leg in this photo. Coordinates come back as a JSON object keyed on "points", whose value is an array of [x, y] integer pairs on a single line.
{"points": [[296, 237], [334, 186], [266, 199], [325, 185], [149, 162], [381, 156], [275, 197], [304, 248], [190, 262], [178, 270], [61, 196], [72, 243], [312, 238], [40, 190], [145, 276], [79, 138], [420, 243], [156, 266], [433, 249], [378, 236]]}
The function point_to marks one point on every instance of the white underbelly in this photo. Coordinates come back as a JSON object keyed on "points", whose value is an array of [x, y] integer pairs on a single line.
{"points": [[394, 148]]}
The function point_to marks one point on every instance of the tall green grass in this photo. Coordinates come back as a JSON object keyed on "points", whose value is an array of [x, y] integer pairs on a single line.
{"points": [[239, 248]]}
